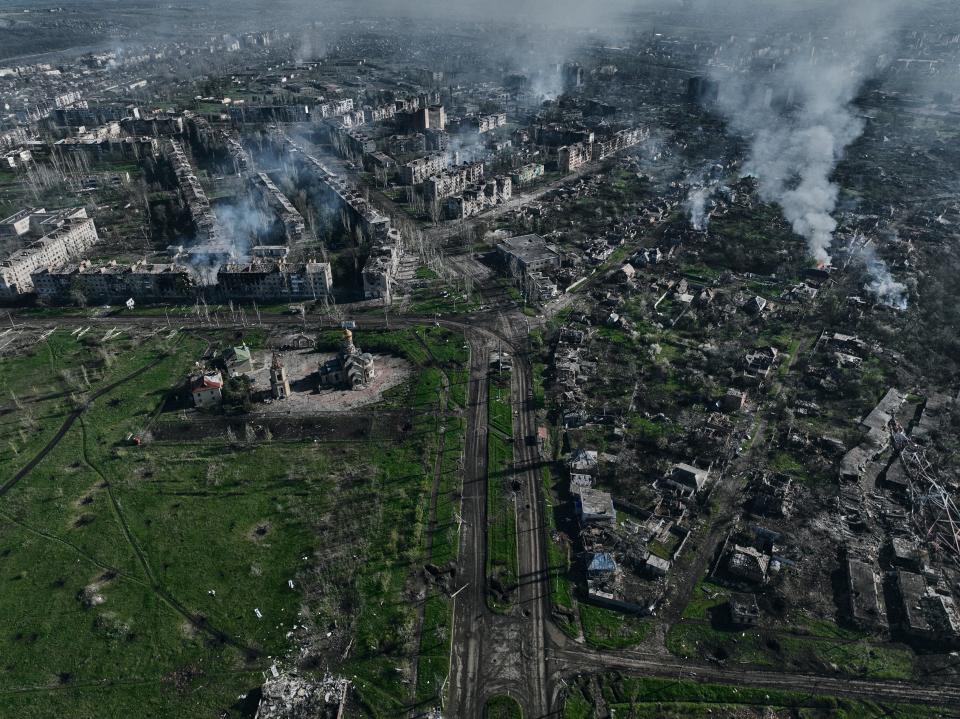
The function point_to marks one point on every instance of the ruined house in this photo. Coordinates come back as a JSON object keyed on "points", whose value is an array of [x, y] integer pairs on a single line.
{"points": [[743, 609], [748, 563], [865, 595]]}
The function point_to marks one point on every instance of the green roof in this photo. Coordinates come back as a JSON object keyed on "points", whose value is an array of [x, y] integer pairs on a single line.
{"points": [[238, 354]]}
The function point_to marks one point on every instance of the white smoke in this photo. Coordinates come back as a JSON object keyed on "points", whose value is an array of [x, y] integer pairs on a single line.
{"points": [[696, 206], [882, 286], [798, 111], [240, 225]]}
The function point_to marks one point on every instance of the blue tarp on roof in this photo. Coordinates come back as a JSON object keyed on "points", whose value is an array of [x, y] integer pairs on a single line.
{"points": [[602, 563]]}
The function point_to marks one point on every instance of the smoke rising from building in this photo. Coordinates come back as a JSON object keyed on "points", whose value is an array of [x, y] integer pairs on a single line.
{"points": [[881, 284], [696, 206], [240, 226], [795, 104]]}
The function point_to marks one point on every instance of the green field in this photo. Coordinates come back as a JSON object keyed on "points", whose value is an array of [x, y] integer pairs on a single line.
{"points": [[608, 629], [649, 698], [502, 707], [502, 562], [697, 639], [132, 576], [558, 559]]}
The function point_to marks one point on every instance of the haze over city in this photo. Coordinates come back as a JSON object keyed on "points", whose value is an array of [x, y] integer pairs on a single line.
{"points": [[503, 360]]}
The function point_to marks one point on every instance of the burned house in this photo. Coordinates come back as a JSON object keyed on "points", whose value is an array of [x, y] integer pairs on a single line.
{"points": [[601, 567], [583, 461], [271, 199], [687, 479], [743, 609], [279, 382], [927, 615], [865, 595], [381, 269], [418, 171], [527, 174], [451, 182], [757, 364], [733, 401], [272, 279], [935, 413], [111, 282], [755, 306], [595, 506], [906, 554], [876, 438], [626, 273], [61, 237], [748, 563], [479, 196], [771, 495], [207, 230], [572, 157], [656, 566]]}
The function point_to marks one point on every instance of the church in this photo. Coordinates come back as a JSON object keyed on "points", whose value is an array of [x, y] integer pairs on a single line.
{"points": [[350, 369]]}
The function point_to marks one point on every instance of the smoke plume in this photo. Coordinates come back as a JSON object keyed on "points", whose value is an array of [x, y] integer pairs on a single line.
{"points": [[696, 206], [795, 103], [240, 226], [881, 285]]}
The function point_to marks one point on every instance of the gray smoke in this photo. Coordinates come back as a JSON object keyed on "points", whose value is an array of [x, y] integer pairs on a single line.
{"points": [[240, 226], [703, 184], [795, 103], [881, 285], [696, 206]]}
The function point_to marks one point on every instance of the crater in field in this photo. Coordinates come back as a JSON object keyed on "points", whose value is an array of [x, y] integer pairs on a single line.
{"points": [[261, 530]]}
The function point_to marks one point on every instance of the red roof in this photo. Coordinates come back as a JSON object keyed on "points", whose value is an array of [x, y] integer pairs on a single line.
{"points": [[206, 381]]}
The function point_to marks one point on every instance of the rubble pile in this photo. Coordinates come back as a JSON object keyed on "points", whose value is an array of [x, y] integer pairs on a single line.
{"points": [[290, 696]]}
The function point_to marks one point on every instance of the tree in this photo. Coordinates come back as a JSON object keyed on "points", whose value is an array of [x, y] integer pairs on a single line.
{"points": [[237, 395]]}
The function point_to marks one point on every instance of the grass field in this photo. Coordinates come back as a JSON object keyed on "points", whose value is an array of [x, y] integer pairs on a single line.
{"points": [[502, 707], [784, 650], [670, 698], [502, 562], [558, 562], [607, 629], [500, 410], [131, 577]]}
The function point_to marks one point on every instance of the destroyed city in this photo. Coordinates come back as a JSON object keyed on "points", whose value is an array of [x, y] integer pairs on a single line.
{"points": [[388, 359]]}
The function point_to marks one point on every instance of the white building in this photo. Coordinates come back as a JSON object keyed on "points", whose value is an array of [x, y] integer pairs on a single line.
{"points": [[66, 235], [207, 389]]}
